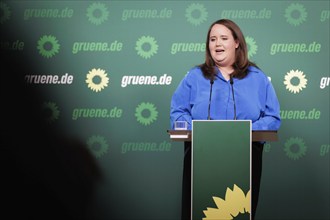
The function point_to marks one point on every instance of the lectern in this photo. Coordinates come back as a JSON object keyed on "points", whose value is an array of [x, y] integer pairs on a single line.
{"points": [[221, 166]]}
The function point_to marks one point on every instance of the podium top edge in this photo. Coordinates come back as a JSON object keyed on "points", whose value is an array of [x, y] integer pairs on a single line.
{"points": [[257, 135], [189, 131]]}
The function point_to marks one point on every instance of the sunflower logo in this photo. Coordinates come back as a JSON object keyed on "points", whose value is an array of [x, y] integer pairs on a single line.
{"points": [[290, 79], [295, 14], [146, 113], [267, 147], [295, 148], [4, 12], [97, 79], [252, 46], [97, 145], [146, 47], [51, 112], [48, 46], [97, 13], [196, 14], [236, 203]]}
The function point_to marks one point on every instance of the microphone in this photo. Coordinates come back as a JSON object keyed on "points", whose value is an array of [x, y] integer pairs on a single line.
{"points": [[211, 83], [232, 90]]}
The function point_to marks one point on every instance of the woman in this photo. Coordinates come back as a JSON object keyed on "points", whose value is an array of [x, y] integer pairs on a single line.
{"points": [[226, 65]]}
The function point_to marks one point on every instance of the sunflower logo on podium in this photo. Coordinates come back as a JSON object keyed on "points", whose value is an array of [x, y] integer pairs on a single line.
{"points": [[235, 205]]}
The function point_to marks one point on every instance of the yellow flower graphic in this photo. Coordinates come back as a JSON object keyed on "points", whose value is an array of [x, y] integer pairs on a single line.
{"points": [[101, 78], [236, 202], [295, 74]]}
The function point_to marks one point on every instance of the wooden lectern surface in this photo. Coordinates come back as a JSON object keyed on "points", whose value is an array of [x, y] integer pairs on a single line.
{"points": [[185, 135]]}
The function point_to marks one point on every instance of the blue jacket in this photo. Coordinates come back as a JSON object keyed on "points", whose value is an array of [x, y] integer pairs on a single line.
{"points": [[255, 100]]}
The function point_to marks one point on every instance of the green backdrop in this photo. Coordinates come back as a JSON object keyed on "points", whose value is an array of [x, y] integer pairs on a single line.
{"points": [[108, 70]]}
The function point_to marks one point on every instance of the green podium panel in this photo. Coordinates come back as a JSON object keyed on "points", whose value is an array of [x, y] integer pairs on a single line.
{"points": [[221, 169]]}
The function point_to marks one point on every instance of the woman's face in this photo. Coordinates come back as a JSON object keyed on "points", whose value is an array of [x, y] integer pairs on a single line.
{"points": [[222, 45]]}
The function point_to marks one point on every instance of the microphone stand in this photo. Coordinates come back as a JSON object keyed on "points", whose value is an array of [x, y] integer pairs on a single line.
{"points": [[209, 114], [232, 89]]}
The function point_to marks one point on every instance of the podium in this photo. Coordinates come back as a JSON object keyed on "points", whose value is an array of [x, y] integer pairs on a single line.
{"points": [[221, 166]]}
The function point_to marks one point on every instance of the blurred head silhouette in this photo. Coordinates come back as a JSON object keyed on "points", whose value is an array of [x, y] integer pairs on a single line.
{"points": [[47, 175]]}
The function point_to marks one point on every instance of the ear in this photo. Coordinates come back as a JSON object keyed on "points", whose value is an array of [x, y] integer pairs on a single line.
{"points": [[237, 44]]}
